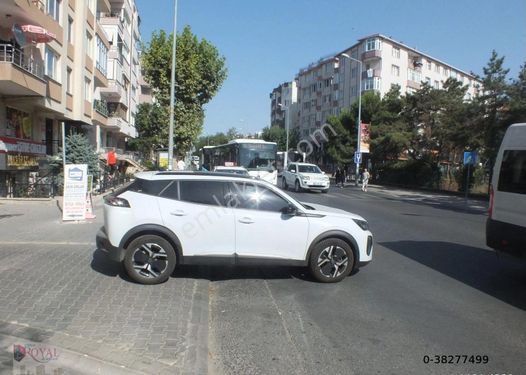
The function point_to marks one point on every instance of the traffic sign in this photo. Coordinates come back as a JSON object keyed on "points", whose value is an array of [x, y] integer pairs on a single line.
{"points": [[357, 157], [470, 157]]}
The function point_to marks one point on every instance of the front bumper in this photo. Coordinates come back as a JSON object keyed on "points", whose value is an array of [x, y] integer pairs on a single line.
{"points": [[320, 185], [103, 243]]}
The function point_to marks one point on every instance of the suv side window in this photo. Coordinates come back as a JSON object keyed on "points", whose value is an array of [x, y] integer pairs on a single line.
{"points": [[172, 191], [512, 177], [150, 187], [291, 167], [202, 192], [256, 197]]}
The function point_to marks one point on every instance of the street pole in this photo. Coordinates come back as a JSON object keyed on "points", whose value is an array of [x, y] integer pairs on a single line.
{"points": [[286, 160], [359, 130], [172, 94]]}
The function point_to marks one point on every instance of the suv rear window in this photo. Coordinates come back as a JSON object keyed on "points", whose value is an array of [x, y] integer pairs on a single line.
{"points": [[512, 177], [150, 187]]}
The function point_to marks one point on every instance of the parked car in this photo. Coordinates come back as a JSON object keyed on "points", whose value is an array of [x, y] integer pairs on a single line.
{"points": [[506, 223], [167, 219], [236, 170], [305, 176]]}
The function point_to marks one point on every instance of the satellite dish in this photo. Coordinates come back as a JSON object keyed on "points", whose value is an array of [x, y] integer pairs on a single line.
{"points": [[19, 35]]}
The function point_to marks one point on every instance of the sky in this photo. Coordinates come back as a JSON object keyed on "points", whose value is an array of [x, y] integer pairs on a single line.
{"points": [[266, 42]]}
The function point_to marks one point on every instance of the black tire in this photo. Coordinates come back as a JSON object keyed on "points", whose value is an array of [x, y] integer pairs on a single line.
{"points": [[323, 264], [284, 184], [297, 186], [156, 257]]}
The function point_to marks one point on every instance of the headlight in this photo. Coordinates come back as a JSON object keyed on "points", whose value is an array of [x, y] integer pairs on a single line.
{"points": [[304, 177], [362, 224]]}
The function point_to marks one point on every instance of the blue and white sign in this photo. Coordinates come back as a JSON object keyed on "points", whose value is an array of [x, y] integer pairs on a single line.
{"points": [[470, 157], [357, 157], [75, 189]]}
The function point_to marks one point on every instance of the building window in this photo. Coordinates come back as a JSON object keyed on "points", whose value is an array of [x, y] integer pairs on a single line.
{"points": [[372, 84], [414, 75], [70, 30], [428, 65], [373, 44], [396, 52], [428, 81], [353, 91], [102, 56], [89, 44], [445, 72], [52, 64], [69, 81], [395, 70], [53, 9], [87, 89], [437, 85], [328, 82], [437, 68], [353, 72]]}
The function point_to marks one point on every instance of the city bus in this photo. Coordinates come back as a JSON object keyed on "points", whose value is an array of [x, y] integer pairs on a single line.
{"points": [[256, 155]]}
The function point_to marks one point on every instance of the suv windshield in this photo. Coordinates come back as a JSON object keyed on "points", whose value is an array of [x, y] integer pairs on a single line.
{"points": [[308, 169]]}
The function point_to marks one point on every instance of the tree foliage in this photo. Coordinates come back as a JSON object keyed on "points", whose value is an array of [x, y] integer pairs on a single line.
{"points": [[279, 135], [80, 151], [200, 72]]}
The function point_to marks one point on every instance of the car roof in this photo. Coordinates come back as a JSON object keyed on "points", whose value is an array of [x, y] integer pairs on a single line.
{"points": [[221, 167], [171, 175], [304, 164]]}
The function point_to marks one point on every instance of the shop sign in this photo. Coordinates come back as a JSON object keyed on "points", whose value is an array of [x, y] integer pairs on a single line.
{"points": [[21, 161], [75, 189], [18, 146]]}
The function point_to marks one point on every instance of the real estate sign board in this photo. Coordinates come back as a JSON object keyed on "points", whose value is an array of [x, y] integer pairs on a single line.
{"points": [[75, 188]]}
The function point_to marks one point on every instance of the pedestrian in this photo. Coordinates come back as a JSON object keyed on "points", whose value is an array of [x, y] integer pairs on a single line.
{"points": [[181, 165], [365, 179], [343, 177], [338, 176]]}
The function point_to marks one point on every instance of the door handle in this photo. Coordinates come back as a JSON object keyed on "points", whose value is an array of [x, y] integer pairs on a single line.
{"points": [[246, 220], [178, 213]]}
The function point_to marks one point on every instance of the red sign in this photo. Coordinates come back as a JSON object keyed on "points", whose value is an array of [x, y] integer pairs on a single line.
{"points": [[21, 147], [365, 137], [112, 158]]}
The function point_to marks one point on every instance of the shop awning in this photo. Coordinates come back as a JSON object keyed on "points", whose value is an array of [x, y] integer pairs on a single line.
{"points": [[37, 34]]}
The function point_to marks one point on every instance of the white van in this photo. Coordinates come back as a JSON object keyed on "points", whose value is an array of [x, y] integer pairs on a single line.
{"points": [[506, 224]]}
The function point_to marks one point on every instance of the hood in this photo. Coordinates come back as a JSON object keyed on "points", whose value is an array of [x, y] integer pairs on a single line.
{"points": [[320, 176], [326, 210]]}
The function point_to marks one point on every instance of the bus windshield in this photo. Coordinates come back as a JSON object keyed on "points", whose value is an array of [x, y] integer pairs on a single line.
{"points": [[257, 156]]}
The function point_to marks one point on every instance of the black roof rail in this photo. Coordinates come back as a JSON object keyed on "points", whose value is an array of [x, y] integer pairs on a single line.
{"points": [[202, 173]]}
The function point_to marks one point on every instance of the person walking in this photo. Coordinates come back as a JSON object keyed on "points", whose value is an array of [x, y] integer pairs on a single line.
{"points": [[365, 179], [338, 176]]}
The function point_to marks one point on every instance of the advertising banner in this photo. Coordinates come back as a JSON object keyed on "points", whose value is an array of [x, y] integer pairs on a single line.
{"points": [[75, 188], [365, 137]]}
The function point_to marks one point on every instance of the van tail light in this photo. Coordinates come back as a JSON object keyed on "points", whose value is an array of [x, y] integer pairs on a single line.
{"points": [[491, 197], [116, 201]]}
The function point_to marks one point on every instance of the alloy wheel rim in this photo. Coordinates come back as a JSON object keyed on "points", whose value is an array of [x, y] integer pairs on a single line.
{"points": [[333, 261], [150, 260]]}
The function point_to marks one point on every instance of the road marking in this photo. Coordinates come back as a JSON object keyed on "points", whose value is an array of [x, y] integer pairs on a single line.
{"points": [[45, 243]]}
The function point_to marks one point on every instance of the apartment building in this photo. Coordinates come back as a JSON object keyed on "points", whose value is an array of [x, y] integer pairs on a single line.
{"points": [[331, 84], [284, 102], [65, 62]]}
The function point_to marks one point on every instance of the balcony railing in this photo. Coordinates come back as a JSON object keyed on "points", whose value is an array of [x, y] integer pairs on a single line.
{"points": [[101, 106], [9, 54]]}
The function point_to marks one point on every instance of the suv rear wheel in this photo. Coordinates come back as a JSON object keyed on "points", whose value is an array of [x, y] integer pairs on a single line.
{"points": [[150, 259], [331, 260]]}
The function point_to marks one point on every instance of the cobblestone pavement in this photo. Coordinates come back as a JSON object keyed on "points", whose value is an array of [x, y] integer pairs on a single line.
{"points": [[56, 288]]}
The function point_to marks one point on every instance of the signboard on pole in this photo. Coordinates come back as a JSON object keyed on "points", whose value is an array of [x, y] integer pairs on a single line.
{"points": [[470, 157], [365, 137], [75, 188], [357, 158]]}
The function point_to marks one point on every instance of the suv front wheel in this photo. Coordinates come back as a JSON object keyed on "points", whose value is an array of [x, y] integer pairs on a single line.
{"points": [[331, 260], [150, 259]]}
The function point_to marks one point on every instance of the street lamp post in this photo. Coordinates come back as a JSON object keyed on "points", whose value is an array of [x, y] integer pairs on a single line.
{"points": [[172, 94], [286, 158], [359, 133]]}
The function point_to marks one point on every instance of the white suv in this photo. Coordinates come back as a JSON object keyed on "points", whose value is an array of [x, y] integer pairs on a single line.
{"points": [[166, 219], [305, 176]]}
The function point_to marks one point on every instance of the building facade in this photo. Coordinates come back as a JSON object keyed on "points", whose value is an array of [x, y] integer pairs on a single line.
{"points": [[284, 102], [65, 63], [332, 84]]}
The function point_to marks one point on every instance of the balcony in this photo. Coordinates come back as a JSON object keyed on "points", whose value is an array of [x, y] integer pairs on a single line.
{"points": [[101, 106], [370, 73], [20, 74], [374, 54], [113, 91]]}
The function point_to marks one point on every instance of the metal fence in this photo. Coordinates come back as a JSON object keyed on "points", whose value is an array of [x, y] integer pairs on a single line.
{"points": [[108, 183], [18, 190]]}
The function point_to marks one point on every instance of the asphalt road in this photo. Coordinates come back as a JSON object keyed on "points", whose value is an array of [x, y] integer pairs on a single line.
{"points": [[433, 288]]}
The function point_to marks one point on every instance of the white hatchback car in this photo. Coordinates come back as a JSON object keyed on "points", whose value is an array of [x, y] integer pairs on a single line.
{"points": [[166, 219], [305, 176]]}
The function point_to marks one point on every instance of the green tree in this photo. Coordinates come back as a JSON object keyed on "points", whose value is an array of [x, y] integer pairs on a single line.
{"points": [[279, 135], [80, 151], [200, 72], [493, 103], [517, 96], [150, 123]]}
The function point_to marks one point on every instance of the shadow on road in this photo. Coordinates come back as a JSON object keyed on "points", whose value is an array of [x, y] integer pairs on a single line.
{"points": [[502, 278]]}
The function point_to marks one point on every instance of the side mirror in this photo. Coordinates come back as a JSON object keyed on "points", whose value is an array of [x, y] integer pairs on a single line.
{"points": [[289, 210], [293, 171]]}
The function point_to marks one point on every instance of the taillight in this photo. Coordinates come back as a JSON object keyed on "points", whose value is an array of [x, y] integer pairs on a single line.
{"points": [[491, 195], [116, 201]]}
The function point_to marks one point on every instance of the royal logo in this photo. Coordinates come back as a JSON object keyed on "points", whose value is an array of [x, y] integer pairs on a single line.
{"points": [[19, 352]]}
